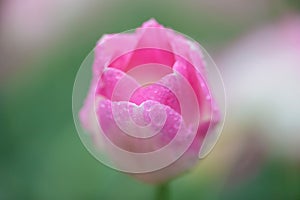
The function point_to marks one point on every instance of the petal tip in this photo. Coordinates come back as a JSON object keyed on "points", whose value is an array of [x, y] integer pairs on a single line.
{"points": [[151, 23]]}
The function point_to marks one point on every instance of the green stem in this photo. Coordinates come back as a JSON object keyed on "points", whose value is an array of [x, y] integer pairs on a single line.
{"points": [[163, 192]]}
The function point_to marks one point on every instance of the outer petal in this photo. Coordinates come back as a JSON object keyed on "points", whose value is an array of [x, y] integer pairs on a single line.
{"points": [[115, 120], [155, 36], [101, 88], [107, 48], [112, 46], [208, 109], [187, 49]]}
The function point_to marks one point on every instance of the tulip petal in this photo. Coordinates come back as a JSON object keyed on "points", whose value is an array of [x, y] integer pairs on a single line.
{"points": [[157, 93], [119, 123]]}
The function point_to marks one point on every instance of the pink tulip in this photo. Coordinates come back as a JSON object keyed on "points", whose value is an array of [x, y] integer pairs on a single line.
{"points": [[149, 106]]}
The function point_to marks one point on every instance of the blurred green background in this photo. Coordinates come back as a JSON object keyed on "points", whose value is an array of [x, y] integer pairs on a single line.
{"points": [[42, 45]]}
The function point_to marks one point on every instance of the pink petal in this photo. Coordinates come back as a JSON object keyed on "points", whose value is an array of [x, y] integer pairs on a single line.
{"points": [[151, 23], [209, 115], [113, 115], [110, 47], [153, 35], [143, 56], [116, 85], [157, 93]]}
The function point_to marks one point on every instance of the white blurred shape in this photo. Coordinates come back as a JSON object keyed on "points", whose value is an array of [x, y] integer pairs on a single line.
{"points": [[262, 78]]}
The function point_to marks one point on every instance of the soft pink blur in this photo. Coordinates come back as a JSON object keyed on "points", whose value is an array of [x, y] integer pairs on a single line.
{"points": [[30, 29]]}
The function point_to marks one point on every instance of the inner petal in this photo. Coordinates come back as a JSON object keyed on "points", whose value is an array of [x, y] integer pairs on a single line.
{"points": [[157, 93]]}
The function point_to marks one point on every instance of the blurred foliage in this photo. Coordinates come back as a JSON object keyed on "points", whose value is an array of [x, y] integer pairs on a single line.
{"points": [[41, 154], [294, 4]]}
